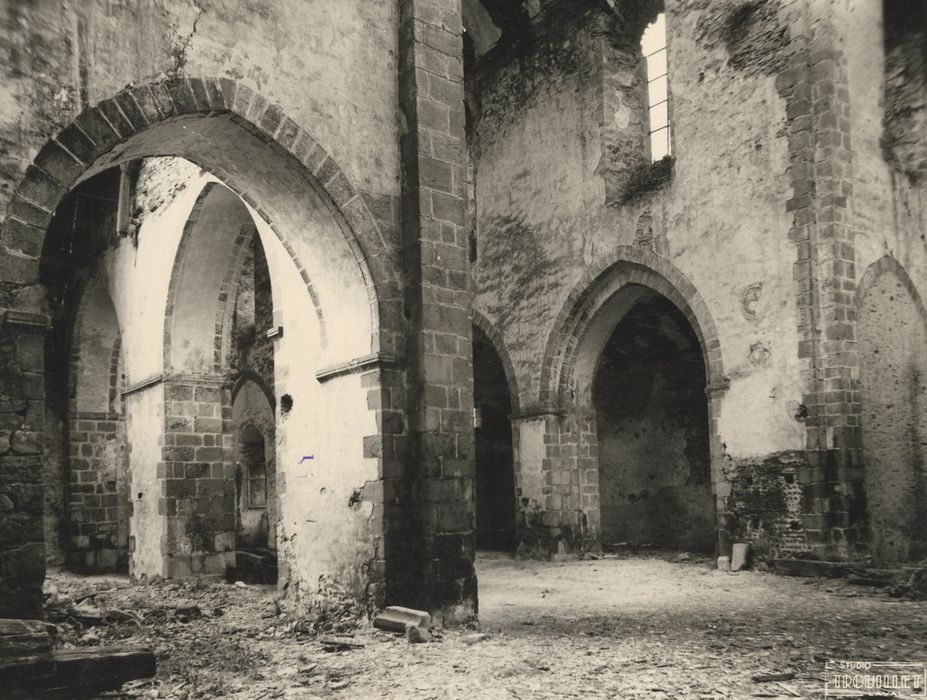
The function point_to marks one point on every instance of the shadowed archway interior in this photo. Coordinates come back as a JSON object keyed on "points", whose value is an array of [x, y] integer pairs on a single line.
{"points": [[652, 426], [495, 477]]}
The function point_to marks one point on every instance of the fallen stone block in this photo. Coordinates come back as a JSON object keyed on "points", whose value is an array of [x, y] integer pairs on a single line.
{"points": [[396, 619], [23, 673], [874, 581], [417, 635], [76, 671], [105, 668], [25, 637]]}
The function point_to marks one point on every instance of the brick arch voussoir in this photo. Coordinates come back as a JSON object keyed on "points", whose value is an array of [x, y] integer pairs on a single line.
{"points": [[98, 129], [498, 343], [889, 265], [629, 265]]}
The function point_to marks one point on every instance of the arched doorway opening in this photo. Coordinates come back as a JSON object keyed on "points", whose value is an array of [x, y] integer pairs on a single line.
{"points": [[304, 209], [667, 351], [251, 368], [495, 476], [892, 336], [220, 346], [97, 472], [652, 427], [255, 485]]}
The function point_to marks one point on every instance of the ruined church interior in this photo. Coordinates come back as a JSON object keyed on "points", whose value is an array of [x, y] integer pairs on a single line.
{"points": [[463, 348]]}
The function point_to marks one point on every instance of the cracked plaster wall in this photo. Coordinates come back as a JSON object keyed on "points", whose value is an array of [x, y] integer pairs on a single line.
{"points": [[330, 65]]}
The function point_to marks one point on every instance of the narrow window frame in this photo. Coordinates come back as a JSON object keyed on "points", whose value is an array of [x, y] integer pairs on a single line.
{"points": [[664, 128]]}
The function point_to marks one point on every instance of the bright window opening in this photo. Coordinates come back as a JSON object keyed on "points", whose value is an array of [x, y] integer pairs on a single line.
{"points": [[653, 44]]}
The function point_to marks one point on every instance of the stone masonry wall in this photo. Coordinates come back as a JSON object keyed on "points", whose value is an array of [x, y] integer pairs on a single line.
{"points": [[254, 360], [549, 181], [892, 334], [437, 302], [62, 61], [98, 494], [797, 169], [251, 410], [96, 471], [21, 503], [798, 198], [199, 478], [814, 85], [905, 121]]}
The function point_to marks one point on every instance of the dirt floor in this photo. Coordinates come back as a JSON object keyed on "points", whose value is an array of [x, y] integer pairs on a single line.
{"points": [[629, 627]]}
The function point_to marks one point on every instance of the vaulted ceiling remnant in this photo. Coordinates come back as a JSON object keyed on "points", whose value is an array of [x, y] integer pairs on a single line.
{"points": [[486, 22]]}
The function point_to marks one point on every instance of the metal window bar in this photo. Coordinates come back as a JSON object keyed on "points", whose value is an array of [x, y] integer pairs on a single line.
{"points": [[665, 63], [668, 143]]}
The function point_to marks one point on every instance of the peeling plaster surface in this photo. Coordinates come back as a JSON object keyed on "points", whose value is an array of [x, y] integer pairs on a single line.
{"points": [[317, 528], [143, 410]]}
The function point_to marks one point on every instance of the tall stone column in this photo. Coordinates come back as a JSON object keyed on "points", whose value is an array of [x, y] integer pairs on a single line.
{"points": [[439, 469], [814, 85]]}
